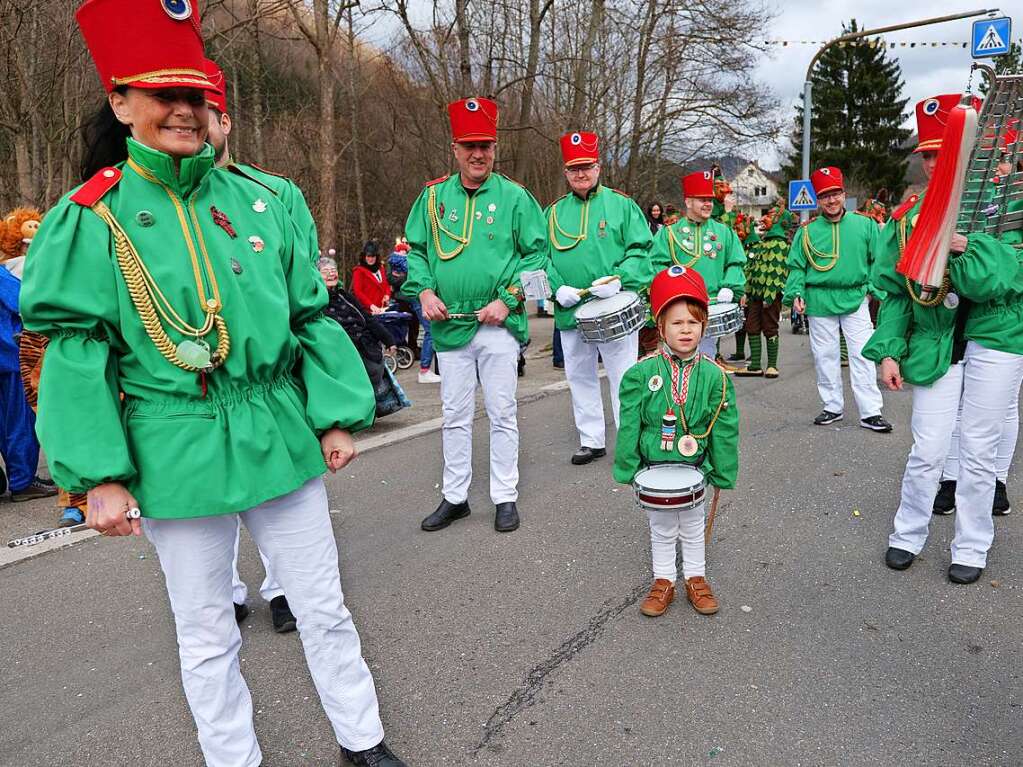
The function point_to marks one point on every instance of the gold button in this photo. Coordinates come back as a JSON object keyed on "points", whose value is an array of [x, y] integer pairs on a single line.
{"points": [[211, 304]]}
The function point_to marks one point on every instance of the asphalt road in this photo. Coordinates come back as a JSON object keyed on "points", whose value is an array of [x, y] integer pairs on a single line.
{"points": [[528, 648]]}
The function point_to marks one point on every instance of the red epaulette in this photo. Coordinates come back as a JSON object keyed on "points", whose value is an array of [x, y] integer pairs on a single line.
{"points": [[92, 191], [907, 206], [437, 180]]}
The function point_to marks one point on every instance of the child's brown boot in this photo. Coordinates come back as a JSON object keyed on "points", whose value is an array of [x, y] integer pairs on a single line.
{"points": [[660, 596], [700, 596]]}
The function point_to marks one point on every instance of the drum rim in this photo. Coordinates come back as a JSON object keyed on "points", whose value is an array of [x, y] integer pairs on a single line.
{"points": [[596, 301]]}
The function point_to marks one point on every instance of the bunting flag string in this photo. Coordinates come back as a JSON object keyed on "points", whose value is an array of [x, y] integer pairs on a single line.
{"points": [[876, 42]]}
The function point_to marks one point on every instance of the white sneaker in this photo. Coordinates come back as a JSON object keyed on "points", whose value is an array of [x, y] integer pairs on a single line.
{"points": [[428, 376]]}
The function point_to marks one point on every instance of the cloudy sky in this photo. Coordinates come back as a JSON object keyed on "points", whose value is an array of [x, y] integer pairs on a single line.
{"points": [[925, 70]]}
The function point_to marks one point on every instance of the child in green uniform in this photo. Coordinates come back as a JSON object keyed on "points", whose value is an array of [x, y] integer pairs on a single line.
{"points": [[678, 392]]}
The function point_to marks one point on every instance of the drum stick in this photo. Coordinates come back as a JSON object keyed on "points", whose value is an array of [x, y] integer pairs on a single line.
{"points": [[710, 517], [602, 281]]}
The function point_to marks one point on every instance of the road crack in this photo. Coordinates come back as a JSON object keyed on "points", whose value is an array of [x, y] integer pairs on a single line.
{"points": [[532, 685]]}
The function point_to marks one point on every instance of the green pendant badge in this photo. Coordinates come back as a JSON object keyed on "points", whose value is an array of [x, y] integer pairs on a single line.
{"points": [[194, 353]]}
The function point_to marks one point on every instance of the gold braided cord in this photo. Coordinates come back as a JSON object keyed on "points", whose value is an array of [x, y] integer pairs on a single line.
{"points": [[143, 290], [717, 413], [164, 75], [584, 224], [697, 239], [212, 305], [946, 284], [810, 251], [436, 227]]}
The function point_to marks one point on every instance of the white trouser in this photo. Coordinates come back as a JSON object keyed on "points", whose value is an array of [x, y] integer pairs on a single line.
{"points": [[269, 589], [1006, 445], [584, 383], [668, 527], [827, 359], [493, 355], [981, 386], [295, 533]]}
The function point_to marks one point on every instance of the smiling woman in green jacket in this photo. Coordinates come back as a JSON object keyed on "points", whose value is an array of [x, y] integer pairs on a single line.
{"points": [[192, 375]]}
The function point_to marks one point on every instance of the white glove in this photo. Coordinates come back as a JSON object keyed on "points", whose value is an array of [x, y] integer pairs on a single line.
{"points": [[725, 296], [567, 296], [606, 289]]}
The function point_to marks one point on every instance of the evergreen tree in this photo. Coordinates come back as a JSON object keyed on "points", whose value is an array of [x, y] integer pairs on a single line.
{"points": [[858, 113]]}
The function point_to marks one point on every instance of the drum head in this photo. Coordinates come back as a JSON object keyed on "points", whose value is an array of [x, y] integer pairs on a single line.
{"points": [[669, 478], [598, 307], [716, 309]]}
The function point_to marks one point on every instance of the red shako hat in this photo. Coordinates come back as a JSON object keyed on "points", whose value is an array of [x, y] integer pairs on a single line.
{"points": [[677, 282], [931, 116], [144, 43], [699, 184], [580, 148], [473, 119], [827, 180], [215, 98]]}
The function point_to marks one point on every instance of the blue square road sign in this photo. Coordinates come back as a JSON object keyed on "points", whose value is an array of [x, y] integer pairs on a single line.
{"points": [[991, 37], [801, 195]]}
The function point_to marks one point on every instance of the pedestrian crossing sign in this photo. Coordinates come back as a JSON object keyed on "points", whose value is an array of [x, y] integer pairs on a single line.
{"points": [[801, 195], [991, 37]]}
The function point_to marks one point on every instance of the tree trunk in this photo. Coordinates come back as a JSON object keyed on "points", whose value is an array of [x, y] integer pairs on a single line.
{"points": [[464, 60], [581, 75], [636, 130], [328, 157], [353, 116]]}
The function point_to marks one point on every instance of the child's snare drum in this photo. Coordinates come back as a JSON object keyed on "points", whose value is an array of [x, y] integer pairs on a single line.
{"points": [[669, 487], [608, 319], [724, 319]]}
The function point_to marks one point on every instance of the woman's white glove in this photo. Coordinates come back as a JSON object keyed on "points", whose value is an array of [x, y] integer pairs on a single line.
{"points": [[725, 296], [605, 289], [567, 296]]}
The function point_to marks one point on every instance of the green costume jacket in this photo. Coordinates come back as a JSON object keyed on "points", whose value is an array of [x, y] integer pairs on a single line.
{"points": [[645, 395], [836, 285], [921, 338], [767, 267], [471, 250], [291, 197], [616, 241], [713, 249], [291, 372]]}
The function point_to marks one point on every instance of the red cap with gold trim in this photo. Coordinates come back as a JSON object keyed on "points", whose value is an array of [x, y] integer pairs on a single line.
{"points": [[473, 119], [931, 116], [144, 43], [215, 98], [677, 282], [699, 184], [580, 148], [827, 180]]}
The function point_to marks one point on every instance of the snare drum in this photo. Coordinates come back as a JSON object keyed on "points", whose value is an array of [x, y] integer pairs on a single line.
{"points": [[723, 320], [669, 487], [608, 319]]}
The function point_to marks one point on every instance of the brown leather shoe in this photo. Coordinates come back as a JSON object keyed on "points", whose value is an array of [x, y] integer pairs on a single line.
{"points": [[700, 596], [660, 596]]}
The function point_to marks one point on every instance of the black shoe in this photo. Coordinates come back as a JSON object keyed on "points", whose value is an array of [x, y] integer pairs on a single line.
{"points": [[507, 517], [876, 423], [241, 612], [826, 417], [586, 454], [964, 573], [281, 615], [945, 500], [1001, 505], [522, 366], [737, 357], [445, 514], [378, 756], [45, 482], [558, 365], [35, 490], [898, 559]]}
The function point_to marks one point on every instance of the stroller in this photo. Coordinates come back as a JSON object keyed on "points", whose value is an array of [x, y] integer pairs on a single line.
{"points": [[397, 325]]}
